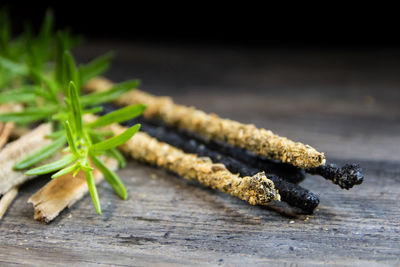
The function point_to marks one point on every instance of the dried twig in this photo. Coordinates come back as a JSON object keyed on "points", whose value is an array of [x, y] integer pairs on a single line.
{"points": [[259, 141], [63, 192], [7, 199]]}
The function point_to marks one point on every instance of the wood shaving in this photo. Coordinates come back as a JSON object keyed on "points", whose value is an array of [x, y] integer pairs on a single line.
{"points": [[7, 199], [63, 192]]}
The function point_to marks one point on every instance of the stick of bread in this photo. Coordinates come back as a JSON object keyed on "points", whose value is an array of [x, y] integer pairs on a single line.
{"points": [[260, 141]]}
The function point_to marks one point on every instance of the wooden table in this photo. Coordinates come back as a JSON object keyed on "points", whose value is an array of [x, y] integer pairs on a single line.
{"points": [[345, 103]]}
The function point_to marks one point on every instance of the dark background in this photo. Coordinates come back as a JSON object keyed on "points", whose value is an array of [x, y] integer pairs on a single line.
{"points": [[247, 25]]}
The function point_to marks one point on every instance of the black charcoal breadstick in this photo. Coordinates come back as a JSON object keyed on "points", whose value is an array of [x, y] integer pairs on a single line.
{"points": [[292, 194], [346, 177]]}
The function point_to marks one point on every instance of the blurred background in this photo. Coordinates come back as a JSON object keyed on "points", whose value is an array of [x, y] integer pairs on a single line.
{"points": [[328, 79]]}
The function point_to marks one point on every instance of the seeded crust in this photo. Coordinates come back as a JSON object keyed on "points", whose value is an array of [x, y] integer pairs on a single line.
{"points": [[257, 189], [260, 141]]}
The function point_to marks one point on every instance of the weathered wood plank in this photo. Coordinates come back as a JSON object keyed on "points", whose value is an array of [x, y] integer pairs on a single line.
{"points": [[169, 221]]}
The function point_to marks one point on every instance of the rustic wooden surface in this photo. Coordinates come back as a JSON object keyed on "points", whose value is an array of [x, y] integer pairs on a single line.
{"points": [[345, 103]]}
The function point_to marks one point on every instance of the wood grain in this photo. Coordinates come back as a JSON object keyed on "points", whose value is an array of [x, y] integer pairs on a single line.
{"points": [[64, 192], [345, 104]]}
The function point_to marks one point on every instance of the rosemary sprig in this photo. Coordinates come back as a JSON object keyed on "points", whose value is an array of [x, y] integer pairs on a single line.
{"points": [[82, 149], [53, 95]]}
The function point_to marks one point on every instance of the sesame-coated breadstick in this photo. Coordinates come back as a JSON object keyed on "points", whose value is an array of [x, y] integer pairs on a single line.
{"points": [[260, 141], [256, 189]]}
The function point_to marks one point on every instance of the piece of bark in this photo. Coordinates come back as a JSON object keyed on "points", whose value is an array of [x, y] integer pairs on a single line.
{"points": [[16, 151], [19, 131], [5, 132], [7, 199], [259, 141], [7, 127], [63, 192]]}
